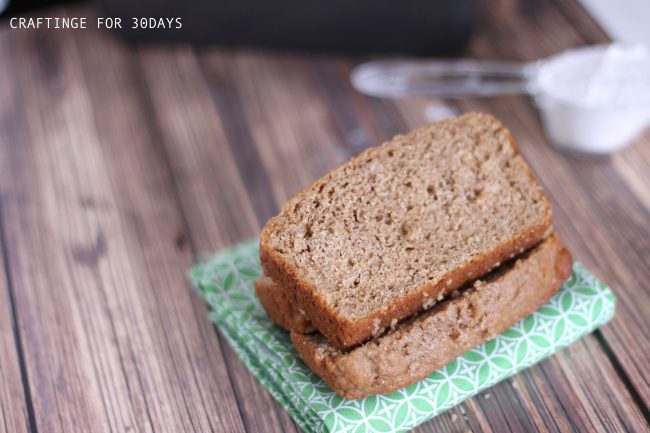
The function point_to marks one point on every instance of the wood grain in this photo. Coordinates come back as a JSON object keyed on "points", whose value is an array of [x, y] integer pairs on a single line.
{"points": [[14, 403], [14, 411], [206, 195], [120, 165], [111, 336]]}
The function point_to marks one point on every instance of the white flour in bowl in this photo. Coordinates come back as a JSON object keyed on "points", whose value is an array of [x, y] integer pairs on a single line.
{"points": [[594, 99]]}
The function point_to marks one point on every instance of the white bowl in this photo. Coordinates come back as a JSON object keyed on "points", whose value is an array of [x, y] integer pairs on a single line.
{"points": [[575, 119]]}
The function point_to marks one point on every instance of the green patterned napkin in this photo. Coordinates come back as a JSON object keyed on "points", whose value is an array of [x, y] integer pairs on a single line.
{"points": [[226, 282]]}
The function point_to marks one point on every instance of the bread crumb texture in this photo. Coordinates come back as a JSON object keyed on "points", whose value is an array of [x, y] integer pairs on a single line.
{"points": [[402, 215]]}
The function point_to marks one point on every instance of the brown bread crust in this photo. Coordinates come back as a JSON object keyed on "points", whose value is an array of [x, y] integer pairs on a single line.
{"points": [[343, 332], [278, 307], [419, 346]]}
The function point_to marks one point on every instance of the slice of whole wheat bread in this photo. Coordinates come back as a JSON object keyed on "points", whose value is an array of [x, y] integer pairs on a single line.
{"points": [[402, 225], [419, 346], [279, 308]]}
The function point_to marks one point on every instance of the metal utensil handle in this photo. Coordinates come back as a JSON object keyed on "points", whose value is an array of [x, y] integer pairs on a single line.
{"points": [[444, 78]]}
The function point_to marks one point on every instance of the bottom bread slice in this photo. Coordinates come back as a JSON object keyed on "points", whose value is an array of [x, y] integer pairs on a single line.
{"points": [[278, 307], [417, 347]]}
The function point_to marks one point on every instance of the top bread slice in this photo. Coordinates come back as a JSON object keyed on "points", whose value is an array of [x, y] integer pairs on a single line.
{"points": [[402, 225]]}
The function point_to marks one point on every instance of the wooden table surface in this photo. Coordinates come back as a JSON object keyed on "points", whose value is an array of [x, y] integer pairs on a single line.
{"points": [[120, 165]]}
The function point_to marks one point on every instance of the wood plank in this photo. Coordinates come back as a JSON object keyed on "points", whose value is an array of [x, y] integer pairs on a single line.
{"points": [[14, 411], [211, 191], [294, 140], [14, 404], [111, 337]]}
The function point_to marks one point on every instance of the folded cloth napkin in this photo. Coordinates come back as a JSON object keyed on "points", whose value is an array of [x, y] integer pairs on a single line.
{"points": [[226, 282]]}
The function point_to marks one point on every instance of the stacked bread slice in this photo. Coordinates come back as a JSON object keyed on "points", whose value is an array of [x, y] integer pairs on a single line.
{"points": [[410, 254]]}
